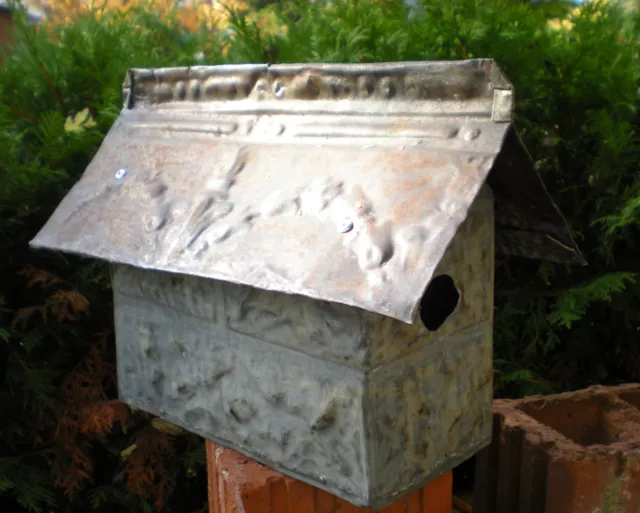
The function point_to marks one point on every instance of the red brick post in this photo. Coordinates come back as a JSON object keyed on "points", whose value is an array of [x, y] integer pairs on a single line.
{"points": [[576, 452], [239, 485]]}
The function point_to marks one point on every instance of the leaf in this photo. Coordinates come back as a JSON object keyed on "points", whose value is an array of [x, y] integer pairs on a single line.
{"points": [[27, 483], [573, 304], [98, 420], [6, 485], [32, 340], [72, 470], [40, 277], [628, 215], [127, 452], [147, 471], [83, 386], [80, 122], [23, 315], [67, 305], [166, 427]]}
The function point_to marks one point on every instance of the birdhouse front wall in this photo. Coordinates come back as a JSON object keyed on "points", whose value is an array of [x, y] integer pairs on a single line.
{"points": [[429, 393], [347, 400], [469, 261]]}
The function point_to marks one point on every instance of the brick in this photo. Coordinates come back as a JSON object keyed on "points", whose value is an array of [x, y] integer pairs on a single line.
{"points": [[240, 485], [486, 481], [533, 477], [577, 452], [509, 458]]}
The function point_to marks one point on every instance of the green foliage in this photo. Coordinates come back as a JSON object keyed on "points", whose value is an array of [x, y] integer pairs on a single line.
{"points": [[556, 327], [572, 305], [52, 304], [28, 482]]}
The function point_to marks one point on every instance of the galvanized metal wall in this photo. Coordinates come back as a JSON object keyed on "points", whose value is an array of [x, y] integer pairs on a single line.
{"points": [[351, 402]]}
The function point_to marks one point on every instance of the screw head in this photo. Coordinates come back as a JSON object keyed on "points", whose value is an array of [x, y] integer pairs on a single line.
{"points": [[346, 226]]}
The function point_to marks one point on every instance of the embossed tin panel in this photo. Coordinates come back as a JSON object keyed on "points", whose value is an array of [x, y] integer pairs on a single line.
{"points": [[294, 412], [428, 412], [361, 405], [343, 183]]}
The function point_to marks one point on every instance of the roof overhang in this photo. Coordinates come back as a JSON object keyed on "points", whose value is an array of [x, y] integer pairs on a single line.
{"points": [[344, 183]]}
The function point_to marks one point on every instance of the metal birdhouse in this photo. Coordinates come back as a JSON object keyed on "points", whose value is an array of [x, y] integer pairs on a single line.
{"points": [[303, 259]]}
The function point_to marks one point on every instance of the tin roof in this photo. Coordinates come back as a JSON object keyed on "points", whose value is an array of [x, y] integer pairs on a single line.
{"points": [[343, 183]]}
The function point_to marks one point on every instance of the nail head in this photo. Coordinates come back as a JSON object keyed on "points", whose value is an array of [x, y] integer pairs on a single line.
{"points": [[346, 226]]}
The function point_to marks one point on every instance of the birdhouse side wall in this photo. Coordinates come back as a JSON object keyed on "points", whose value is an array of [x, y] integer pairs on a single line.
{"points": [[428, 405]]}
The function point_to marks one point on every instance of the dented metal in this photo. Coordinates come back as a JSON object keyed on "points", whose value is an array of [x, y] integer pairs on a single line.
{"points": [[252, 174], [361, 405], [248, 209]]}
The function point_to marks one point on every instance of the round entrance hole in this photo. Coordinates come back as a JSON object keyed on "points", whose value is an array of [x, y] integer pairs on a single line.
{"points": [[439, 301]]}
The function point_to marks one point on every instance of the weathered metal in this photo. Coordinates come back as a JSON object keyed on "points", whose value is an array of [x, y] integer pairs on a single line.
{"points": [[232, 175], [273, 229], [362, 405]]}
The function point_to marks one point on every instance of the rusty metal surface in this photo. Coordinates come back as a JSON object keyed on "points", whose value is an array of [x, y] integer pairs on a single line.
{"points": [[361, 405], [343, 183]]}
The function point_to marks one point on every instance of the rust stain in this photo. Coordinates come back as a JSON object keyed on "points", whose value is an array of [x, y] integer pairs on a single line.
{"points": [[397, 128], [397, 187], [412, 161]]}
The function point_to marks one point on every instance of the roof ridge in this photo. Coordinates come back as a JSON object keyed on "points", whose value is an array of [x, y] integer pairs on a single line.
{"points": [[411, 87]]}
